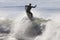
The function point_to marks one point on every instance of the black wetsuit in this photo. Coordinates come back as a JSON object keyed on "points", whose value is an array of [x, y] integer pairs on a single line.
{"points": [[29, 13]]}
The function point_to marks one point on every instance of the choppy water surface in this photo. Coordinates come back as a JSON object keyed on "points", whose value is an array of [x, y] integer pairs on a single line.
{"points": [[15, 25]]}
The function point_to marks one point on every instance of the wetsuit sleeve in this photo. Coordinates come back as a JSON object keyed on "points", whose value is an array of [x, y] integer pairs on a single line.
{"points": [[33, 6]]}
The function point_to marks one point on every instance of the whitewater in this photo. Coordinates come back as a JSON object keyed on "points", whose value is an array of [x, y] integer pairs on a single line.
{"points": [[46, 28], [23, 29]]}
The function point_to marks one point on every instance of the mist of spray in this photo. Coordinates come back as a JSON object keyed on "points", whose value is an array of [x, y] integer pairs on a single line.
{"points": [[52, 29]]}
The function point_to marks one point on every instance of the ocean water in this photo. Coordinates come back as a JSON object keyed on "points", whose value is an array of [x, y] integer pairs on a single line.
{"points": [[14, 22]]}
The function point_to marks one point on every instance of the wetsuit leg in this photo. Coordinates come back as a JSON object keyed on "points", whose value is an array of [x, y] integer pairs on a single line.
{"points": [[31, 14]]}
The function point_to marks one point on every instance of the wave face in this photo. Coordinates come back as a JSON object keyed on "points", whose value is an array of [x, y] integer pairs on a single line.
{"points": [[23, 29], [52, 29], [39, 29], [26, 29]]}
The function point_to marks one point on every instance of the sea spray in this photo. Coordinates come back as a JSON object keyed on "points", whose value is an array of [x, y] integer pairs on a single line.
{"points": [[26, 30], [52, 29]]}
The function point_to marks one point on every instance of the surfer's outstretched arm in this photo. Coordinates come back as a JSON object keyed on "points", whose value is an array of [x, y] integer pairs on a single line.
{"points": [[33, 6]]}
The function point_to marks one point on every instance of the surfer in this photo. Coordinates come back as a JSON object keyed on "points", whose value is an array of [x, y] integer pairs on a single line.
{"points": [[28, 10]]}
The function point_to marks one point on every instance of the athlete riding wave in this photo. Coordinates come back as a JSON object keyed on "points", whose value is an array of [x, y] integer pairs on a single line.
{"points": [[28, 10]]}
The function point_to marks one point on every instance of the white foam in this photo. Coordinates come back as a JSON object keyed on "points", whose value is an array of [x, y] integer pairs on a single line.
{"points": [[52, 29]]}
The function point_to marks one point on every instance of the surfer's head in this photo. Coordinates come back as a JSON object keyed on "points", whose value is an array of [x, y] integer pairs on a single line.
{"points": [[30, 4]]}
